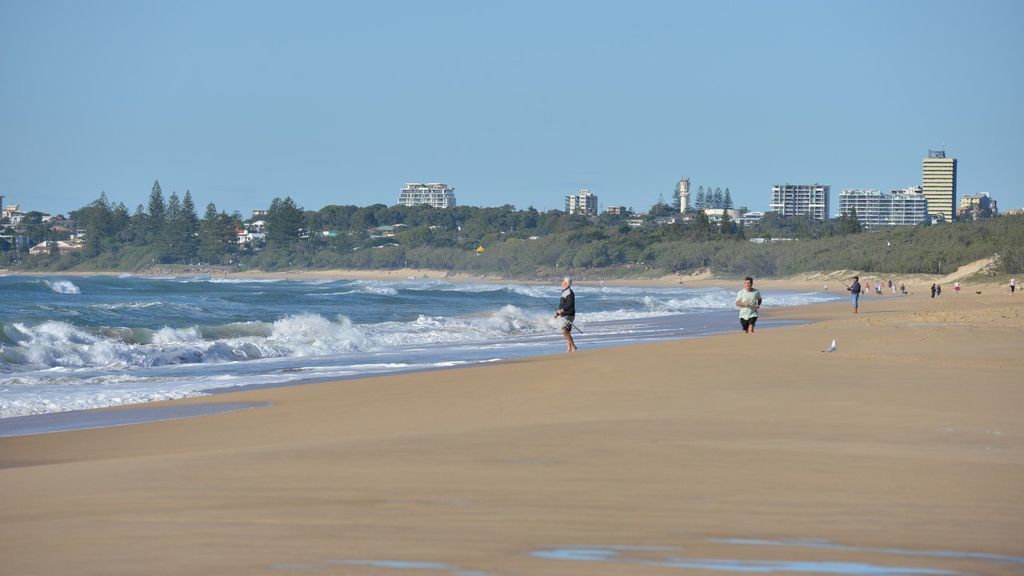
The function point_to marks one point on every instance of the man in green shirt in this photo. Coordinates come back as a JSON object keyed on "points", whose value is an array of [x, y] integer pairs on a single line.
{"points": [[748, 300]]}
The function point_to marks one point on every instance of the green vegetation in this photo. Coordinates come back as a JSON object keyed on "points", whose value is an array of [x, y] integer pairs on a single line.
{"points": [[517, 243]]}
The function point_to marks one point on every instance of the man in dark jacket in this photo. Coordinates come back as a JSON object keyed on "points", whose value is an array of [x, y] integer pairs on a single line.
{"points": [[567, 310], [855, 292]]}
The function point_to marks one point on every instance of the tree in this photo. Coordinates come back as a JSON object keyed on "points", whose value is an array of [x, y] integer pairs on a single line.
{"points": [[848, 223], [138, 226], [284, 219], [727, 200], [662, 209], [189, 227], [216, 236], [716, 199], [120, 223], [96, 218], [726, 226], [157, 213], [701, 202], [172, 239]]}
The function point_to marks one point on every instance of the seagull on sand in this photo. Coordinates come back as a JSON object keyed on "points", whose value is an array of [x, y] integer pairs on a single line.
{"points": [[831, 348]]}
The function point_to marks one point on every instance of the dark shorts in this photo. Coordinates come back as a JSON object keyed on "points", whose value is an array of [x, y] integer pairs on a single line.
{"points": [[567, 323], [744, 322]]}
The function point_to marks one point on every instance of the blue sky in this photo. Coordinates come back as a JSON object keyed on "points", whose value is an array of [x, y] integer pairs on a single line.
{"points": [[511, 103]]}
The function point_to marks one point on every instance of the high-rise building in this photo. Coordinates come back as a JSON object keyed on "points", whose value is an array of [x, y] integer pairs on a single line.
{"points": [[436, 195], [896, 208], [582, 203], [683, 193], [801, 200], [938, 180]]}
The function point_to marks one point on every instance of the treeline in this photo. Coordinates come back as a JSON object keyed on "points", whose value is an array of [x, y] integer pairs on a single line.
{"points": [[519, 243]]}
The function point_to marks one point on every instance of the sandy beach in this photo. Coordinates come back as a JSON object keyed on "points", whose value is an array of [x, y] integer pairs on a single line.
{"points": [[903, 449]]}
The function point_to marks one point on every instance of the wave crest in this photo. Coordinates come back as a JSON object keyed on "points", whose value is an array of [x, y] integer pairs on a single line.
{"points": [[63, 286]]}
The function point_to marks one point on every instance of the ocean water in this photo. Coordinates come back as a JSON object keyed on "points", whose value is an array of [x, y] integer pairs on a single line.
{"points": [[86, 342]]}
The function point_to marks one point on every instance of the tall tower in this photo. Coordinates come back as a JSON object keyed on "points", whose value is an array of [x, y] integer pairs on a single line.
{"points": [[938, 180], [683, 193]]}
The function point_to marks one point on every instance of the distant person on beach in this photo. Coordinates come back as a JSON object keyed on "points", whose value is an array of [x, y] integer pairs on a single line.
{"points": [[748, 300], [892, 287], [956, 288], [567, 310], [938, 290], [855, 293], [1013, 285], [933, 290], [903, 289]]}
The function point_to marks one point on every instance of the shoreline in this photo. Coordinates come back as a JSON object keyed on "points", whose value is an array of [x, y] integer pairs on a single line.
{"points": [[154, 411], [826, 280], [901, 450]]}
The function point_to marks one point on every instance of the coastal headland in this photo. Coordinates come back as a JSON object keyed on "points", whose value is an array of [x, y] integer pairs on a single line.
{"points": [[901, 452]]}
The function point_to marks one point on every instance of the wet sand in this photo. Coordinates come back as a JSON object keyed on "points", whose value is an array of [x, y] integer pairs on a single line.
{"points": [[903, 448]]}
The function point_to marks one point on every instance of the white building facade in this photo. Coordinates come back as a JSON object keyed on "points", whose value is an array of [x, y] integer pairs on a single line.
{"points": [[907, 207], [435, 194], [801, 200], [582, 203]]}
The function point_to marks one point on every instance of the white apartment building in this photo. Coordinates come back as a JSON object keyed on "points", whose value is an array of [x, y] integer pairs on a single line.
{"points": [[434, 194], [582, 203], [905, 207], [801, 200]]}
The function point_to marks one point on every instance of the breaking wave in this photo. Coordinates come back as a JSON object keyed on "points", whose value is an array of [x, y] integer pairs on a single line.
{"points": [[63, 286]]}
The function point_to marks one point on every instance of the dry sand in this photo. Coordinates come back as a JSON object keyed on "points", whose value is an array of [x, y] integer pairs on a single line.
{"points": [[904, 448]]}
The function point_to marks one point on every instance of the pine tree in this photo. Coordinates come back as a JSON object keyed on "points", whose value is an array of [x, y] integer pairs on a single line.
{"points": [[190, 228], [157, 213], [121, 221], [727, 200], [716, 198], [138, 226], [97, 219], [172, 240], [701, 199], [284, 219], [216, 236]]}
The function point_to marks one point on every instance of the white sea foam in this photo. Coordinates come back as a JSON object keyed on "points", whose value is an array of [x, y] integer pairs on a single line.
{"points": [[130, 305], [29, 404], [167, 336], [63, 286], [59, 344]]}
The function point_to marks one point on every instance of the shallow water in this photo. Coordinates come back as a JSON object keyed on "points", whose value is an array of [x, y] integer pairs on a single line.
{"points": [[88, 342]]}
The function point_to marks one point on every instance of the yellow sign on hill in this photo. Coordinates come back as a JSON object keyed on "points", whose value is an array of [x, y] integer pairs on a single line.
{"points": [[479, 250]]}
